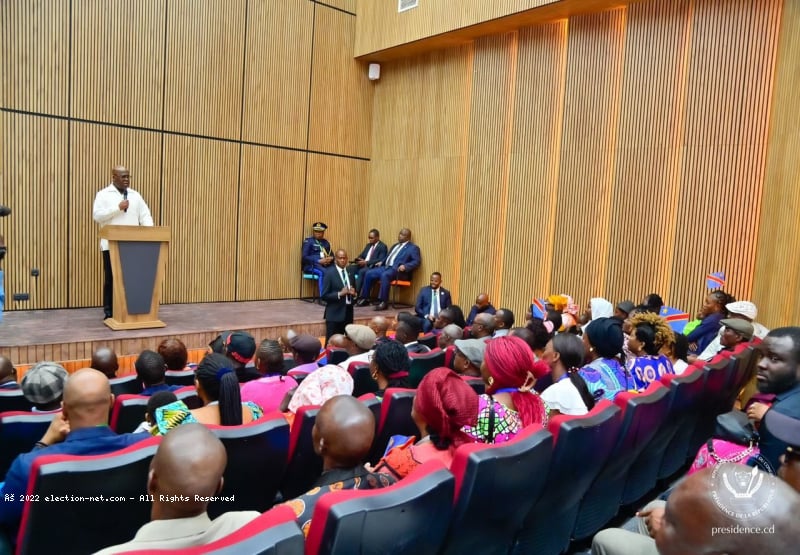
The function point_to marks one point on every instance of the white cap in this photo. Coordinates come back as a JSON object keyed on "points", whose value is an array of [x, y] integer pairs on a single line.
{"points": [[745, 308]]}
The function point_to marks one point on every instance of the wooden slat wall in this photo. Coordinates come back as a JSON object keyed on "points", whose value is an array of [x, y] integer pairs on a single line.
{"points": [[636, 154], [777, 275], [213, 106]]}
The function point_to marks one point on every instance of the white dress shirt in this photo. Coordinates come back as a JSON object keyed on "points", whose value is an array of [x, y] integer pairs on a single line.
{"points": [[106, 210]]}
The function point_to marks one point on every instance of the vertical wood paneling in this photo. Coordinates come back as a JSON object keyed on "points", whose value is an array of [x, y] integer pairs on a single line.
{"points": [[725, 150], [276, 84], [269, 223], [200, 206], [647, 179], [346, 5], [35, 160], [340, 88], [94, 150], [205, 43], [485, 193], [591, 109], [777, 274], [532, 187], [35, 55], [118, 61]]}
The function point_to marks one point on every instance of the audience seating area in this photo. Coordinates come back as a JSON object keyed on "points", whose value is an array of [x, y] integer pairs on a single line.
{"points": [[534, 494]]}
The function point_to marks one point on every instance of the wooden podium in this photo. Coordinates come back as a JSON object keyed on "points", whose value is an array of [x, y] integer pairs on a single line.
{"points": [[138, 258]]}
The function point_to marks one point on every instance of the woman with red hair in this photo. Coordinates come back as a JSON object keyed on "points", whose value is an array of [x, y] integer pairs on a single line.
{"points": [[509, 403], [444, 404]]}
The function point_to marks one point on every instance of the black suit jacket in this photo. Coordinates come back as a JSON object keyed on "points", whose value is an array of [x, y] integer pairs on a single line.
{"points": [[337, 309], [379, 255]]}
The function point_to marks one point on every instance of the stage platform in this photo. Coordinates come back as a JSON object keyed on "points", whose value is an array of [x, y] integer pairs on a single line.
{"points": [[71, 334]]}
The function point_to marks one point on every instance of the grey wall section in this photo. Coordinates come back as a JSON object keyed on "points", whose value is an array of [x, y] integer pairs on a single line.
{"points": [[139, 260]]}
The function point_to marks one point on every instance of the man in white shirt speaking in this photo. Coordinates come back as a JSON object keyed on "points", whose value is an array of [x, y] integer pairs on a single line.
{"points": [[117, 204]]}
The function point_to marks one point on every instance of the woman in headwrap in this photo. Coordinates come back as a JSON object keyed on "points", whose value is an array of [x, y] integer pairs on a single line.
{"points": [[444, 404], [510, 403], [389, 366], [568, 309], [320, 385], [604, 375], [598, 308]]}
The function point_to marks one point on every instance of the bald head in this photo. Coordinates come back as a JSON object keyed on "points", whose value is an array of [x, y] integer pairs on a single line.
{"points": [[339, 341], [449, 334], [87, 399], [483, 325], [482, 300], [104, 359], [7, 371], [121, 177], [190, 461], [343, 432], [705, 506], [379, 325]]}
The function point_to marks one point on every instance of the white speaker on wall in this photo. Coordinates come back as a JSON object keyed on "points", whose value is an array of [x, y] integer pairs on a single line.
{"points": [[374, 72]]}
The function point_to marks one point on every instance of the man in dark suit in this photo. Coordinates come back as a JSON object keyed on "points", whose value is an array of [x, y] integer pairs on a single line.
{"points": [[431, 300], [338, 290], [403, 258], [374, 252]]}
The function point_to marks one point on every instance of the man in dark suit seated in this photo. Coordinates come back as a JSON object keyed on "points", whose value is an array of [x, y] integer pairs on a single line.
{"points": [[374, 252], [404, 257], [338, 290], [431, 300]]}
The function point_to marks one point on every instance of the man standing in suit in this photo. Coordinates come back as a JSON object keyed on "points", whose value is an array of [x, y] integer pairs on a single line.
{"points": [[404, 257], [317, 253], [338, 290], [431, 300], [374, 252]]}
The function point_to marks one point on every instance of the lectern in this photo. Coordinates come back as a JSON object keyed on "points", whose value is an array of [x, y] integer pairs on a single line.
{"points": [[138, 258]]}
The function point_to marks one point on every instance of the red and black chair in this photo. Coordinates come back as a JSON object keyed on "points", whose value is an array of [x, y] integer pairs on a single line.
{"points": [[179, 377], [717, 374], [257, 457], [374, 404], [395, 420], [273, 533], [411, 516], [19, 432], [128, 412], [641, 416], [496, 485], [687, 394], [582, 446], [126, 385], [12, 400], [477, 384], [429, 339], [304, 465], [337, 355], [80, 522], [423, 363], [362, 379]]}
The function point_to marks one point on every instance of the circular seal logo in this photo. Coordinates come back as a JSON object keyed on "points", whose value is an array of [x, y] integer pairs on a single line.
{"points": [[741, 492]]}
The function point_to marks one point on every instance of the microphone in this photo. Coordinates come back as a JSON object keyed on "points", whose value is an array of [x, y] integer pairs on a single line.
{"points": [[125, 197]]}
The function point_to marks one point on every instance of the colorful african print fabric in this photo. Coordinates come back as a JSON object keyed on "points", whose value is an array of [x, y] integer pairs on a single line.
{"points": [[605, 377], [507, 422], [647, 369], [174, 414]]}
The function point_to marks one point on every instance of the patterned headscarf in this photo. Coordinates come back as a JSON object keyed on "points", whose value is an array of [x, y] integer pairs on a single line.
{"points": [[446, 403], [320, 385]]}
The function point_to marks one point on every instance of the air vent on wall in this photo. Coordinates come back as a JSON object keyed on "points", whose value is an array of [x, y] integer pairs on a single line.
{"points": [[403, 5]]}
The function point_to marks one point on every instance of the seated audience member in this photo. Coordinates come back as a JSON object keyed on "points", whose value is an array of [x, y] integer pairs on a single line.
{"points": [[375, 251], [483, 327], [598, 308], [458, 316], [623, 310], [568, 310], [156, 400], [446, 317], [407, 333], [603, 373], [380, 325], [104, 359], [787, 429], [43, 386], [742, 310], [342, 435], [509, 403], [710, 315], [151, 371], [8, 374], [553, 319], [431, 300], [542, 331], [218, 388], [404, 257], [326, 383], [316, 254], [468, 357], [703, 510], [269, 390], [650, 333], [360, 342], [444, 404], [305, 350], [678, 352], [186, 469], [239, 347], [389, 366], [481, 306], [540, 368], [175, 354], [568, 394], [284, 340], [449, 334], [653, 302], [503, 322], [81, 428]]}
